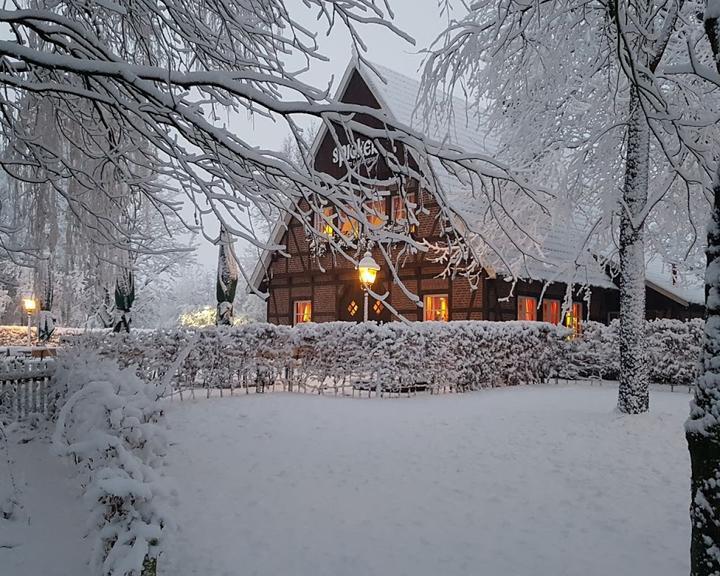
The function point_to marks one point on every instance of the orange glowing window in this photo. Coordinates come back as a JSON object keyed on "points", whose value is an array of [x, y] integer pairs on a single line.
{"points": [[399, 207], [527, 308], [323, 222], [375, 213], [574, 319], [551, 311], [436, 307], [303, 311], [349, 227]]}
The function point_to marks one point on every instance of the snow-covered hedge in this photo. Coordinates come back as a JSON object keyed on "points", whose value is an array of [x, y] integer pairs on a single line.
{"points": [[464, 355], [17, 335], [673, 348], [109, 422]]}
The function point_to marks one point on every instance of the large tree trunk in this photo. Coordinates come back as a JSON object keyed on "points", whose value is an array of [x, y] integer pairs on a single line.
{"points": [[703, 426], [633, 395]]}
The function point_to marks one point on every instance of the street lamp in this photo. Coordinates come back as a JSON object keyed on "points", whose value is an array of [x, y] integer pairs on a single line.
{"points": [[29, 305], [368, 269]]}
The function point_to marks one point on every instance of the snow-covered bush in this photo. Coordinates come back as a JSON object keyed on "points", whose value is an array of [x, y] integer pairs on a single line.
{"points": [[17, 335], [593, 354], [673, 351], [464, 355], [109, 422]]}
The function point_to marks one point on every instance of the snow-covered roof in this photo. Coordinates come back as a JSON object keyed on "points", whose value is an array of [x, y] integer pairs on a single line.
{"points": [[562, 256], [685, 289]]}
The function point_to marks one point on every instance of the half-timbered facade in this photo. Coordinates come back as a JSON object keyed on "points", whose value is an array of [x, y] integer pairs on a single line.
{"points": [[315, 283]]}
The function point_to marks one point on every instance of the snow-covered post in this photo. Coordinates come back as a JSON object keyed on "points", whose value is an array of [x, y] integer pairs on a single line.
{"points": [[45, 292], [633, 394], [228, 272], [703, 427], [124, 298]]}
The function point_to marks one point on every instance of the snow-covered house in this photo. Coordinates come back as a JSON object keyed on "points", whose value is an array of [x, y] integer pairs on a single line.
{"points": [[307, 283]]}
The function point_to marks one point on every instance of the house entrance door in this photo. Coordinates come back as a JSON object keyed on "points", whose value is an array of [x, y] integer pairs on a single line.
{"points": [[351, 305]]}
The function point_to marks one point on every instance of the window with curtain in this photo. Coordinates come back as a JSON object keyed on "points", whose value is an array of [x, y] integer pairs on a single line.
{"points": [[349, 227], [303, 311], [399, 210], [375, 213], [551, 311], [436, 307], [574, 318], [323, 222], [527, 308]]}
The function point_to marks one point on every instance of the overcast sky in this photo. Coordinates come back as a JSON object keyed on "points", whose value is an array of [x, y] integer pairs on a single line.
{"points": [[421, 19]]}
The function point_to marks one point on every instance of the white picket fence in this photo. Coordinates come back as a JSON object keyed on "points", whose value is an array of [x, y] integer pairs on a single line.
{"points": [[24, 386]]}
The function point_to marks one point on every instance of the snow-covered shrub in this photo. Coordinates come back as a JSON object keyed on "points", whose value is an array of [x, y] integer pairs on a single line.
{"points": [[110, 424], [17, 335], [674, 349], [593, 354], [464, 355]]}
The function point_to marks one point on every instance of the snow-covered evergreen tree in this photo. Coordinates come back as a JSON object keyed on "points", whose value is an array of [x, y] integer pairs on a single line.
{"points": [[124, 298], [228, 273], [44, 289]]}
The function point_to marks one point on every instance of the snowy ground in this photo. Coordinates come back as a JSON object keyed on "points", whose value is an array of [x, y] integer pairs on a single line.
{"points": [[48, 538], [518, 481]]}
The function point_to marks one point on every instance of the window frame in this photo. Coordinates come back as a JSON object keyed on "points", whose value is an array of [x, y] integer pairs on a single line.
{"points": [[322, 226], [574, 321], [399, 201], [295, 311], [547, 301], [354, 225], [445, 295], [524, 297], [381, 215]]}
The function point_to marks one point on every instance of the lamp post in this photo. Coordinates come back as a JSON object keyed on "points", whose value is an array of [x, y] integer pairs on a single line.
{"points": [[368, 269], [29, 305]]}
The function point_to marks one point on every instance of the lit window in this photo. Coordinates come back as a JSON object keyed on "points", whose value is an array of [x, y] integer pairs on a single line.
{"points": [[323, 222], [352, 308], [349, 227], [551, 311], [574, 319], [399, 207], [303, 311], [527, 308], [436, 307], [375, 213]]}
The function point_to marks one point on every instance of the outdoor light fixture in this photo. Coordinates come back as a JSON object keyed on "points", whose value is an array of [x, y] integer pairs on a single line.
{"points": [[30, 306], [367, 269]]}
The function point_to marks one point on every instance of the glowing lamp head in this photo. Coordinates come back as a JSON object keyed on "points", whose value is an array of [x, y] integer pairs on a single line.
{"points": [[29, 305], [368, 269]]}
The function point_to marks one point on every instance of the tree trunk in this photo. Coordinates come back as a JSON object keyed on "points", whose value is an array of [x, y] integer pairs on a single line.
{"points": [[633, 395], [703, 427]]}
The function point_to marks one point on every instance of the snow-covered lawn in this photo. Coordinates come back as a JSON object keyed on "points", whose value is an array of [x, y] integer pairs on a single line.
{"points": [[48, 536], [518, 481]]}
